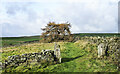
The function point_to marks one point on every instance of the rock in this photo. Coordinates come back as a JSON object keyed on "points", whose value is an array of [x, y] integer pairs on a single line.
{"points": [[102, 50], [44, 55], [57, 52]]}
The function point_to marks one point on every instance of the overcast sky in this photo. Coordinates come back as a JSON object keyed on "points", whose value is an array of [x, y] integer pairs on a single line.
{"points": [[27, 18]]}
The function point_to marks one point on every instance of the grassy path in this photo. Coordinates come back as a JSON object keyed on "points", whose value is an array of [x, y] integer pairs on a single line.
{"points": [[75, 58]]}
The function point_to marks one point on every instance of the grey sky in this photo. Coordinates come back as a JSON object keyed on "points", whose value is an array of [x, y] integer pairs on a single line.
{"points": [[27, 18]]}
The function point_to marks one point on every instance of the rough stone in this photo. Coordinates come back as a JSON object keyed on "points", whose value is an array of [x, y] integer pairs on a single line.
{"points": [[57, 52], [47, 55], [100, 50]]}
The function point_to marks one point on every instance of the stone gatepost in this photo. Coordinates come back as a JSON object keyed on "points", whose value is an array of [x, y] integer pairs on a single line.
{"points": [[102, 49], [57, 52]]}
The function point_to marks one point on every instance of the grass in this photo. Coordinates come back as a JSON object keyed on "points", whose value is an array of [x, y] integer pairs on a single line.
{"points": [[8, 41], [80, 56]]}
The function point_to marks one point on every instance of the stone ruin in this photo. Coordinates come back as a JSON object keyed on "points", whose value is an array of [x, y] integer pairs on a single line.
{"points": [[107, 46], [50, 56]]}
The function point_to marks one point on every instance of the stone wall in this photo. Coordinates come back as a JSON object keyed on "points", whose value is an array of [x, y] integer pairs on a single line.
{"points": [[44, 55], [107, 46]]}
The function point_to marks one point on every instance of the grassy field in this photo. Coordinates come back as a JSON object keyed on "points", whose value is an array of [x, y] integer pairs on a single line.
{"points": [[80, 56], [10, 41]]}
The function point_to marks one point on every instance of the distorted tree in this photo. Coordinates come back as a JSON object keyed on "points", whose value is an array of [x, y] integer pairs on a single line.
{"points": [[56, 32]]}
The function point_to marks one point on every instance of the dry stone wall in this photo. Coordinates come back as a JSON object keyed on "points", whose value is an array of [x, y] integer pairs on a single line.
{"points": [[107, 46], [44, 55]]}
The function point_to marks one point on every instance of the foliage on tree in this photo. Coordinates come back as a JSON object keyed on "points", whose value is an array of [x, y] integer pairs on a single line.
{"points": [[56, 32]]}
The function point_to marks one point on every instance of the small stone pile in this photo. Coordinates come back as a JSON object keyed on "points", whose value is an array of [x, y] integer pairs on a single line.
{"points": [[45, 55]]}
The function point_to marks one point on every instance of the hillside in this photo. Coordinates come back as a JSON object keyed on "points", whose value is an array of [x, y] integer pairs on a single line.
{"points": [[78, 56]]}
